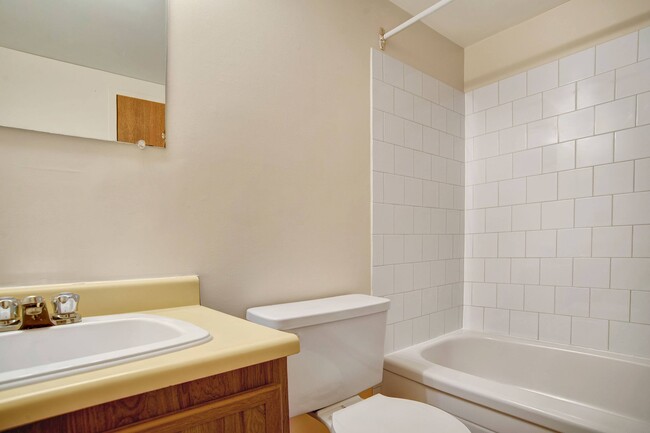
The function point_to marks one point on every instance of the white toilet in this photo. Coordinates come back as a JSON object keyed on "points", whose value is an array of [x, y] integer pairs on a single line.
{"points": [[342, 354]]}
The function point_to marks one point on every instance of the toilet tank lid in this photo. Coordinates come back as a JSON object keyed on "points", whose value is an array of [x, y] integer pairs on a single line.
{"points": [[307, 313]]}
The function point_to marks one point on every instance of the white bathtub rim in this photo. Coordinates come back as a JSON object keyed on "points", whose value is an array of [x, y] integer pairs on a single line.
{"points": [[505, 398], [462, 333]]}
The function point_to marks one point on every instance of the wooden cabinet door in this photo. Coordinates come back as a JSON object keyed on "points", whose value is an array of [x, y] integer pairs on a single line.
{"points": [[256, 411], [138, 119]]}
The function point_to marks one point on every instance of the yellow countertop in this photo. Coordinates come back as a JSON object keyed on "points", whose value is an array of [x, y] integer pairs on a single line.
{"points": [[235, 343]]}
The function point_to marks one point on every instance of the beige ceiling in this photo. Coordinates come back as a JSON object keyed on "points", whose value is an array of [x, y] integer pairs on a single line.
{"points": [[468, 21]]}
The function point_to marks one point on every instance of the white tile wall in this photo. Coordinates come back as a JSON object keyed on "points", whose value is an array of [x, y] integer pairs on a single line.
{"points": [[558, 230], [539, 225], [418, 198]]}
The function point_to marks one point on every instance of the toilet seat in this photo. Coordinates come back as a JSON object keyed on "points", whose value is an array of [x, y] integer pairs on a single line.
{"points": [[381, 414]]}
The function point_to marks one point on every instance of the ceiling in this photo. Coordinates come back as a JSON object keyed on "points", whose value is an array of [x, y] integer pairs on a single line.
{"points": [[466, 22], [125, 37]]}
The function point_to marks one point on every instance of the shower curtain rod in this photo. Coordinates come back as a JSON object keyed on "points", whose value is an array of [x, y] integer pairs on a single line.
{"points": [[383, 37]]}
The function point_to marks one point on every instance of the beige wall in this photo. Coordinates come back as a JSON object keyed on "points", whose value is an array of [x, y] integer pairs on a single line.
{"points": [[264, 189], [563, 30]]}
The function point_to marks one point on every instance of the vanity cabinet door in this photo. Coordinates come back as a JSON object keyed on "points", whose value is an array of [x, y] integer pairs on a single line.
{"points": [[252, 399], [257, 411]]}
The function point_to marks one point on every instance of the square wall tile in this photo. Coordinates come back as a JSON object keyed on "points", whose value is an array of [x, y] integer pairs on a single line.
{"points": [[496, 321], [644, 43], [526, 217], [486, 97], [524, 324], [542, 78], [540, 243], [614, 178], [543, 132], [572, 301], [539, 298], [403, 334], [498, 219], [512, 88], [559, 101], [596, 90], [510, 296], [382, 96], [640, 308], [377, 125], [497, 271], [403, 104], [430, 88], [616, 115], [642, 175], [484, 294], [527, 163], [633, 274], [557, 214], [612, 241], [630, 338], [643, 109], [393, 129], [383, 218], [514, 139], [595, 150], [499, 117], [486, 146], [525, 271], [632, 143], [420, 329], [559, 157], [592, 333], [512, 191], [412, 80], [633, 79], [591, 273], [577, 124], [556, 272], [610, 304], [512, 244], [641, 241], [529, 109], [542, 188], [473, 318], [616, 53], [577, 66], [593, 211], [445, 95], [422, 111], [393, 72], [499, 168], [382, 280], [556, 329], [632, 208], [574, 243]]}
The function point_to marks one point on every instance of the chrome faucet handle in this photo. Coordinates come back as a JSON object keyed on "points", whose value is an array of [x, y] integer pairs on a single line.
{"points": [[65, 308], [9, 314], [33, 305]]}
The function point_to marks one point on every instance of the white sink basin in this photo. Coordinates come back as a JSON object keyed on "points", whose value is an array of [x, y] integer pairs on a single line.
{"points": [[35, 355]]}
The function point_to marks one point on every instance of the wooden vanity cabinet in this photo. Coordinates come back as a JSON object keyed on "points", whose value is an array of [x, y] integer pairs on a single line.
{"points": [[249, 400]]}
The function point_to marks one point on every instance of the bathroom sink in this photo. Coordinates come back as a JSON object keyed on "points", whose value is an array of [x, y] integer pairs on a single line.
{"points": [[36, 355]]}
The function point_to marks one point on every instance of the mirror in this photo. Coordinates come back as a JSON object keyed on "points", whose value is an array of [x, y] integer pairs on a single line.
{"points": [[85, 68]]}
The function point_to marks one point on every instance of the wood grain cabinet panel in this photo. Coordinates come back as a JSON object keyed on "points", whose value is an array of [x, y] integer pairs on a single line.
{"points": [[249, 400], [139, 119]]}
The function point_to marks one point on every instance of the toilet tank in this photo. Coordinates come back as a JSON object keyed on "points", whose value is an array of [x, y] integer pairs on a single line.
{"points": [[341, 347]]}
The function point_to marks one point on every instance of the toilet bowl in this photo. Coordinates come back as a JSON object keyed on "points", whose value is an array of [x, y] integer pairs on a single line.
{"points": [[381, 414], [341, 355]]}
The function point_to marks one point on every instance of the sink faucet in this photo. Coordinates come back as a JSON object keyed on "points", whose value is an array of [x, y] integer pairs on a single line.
{"points": [[32, 312], [35, 314]]}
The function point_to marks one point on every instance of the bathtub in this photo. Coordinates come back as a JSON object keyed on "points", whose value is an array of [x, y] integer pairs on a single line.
{"points": [[505, 384]]}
